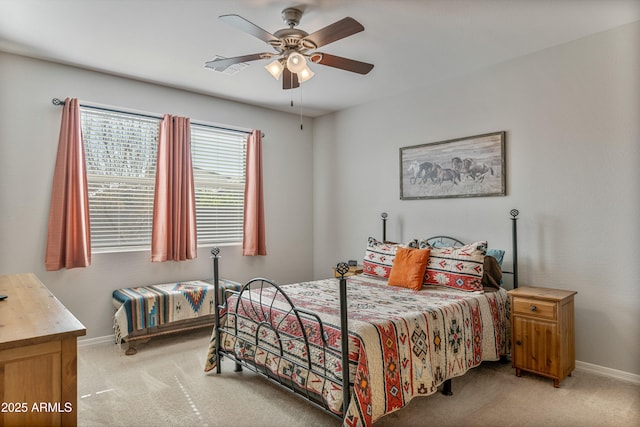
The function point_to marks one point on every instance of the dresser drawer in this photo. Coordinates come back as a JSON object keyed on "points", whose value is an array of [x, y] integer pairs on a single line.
{"points": [[535, 308]]}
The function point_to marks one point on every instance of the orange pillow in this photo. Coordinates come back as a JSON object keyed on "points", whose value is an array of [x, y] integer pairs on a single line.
{"points": [[408, 268]]}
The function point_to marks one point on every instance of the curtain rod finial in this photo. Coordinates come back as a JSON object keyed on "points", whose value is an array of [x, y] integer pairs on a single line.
{"points": [[56, 101]]}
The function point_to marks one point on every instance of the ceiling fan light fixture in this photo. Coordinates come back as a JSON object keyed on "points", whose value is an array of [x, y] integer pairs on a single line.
{"points": [[305, 74], [275, 68], [296, 62]]}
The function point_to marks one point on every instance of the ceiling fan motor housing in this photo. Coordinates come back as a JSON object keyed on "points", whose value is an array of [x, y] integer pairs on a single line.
{"points": [[292, 38]]}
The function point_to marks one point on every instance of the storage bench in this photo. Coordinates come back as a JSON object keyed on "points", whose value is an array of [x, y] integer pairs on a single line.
{"points": [[148, 311]]}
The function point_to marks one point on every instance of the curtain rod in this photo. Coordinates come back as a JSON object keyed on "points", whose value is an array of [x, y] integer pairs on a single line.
{"points": [[56, 101]]}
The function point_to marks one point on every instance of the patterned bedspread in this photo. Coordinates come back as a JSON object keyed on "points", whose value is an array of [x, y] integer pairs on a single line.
{"points": [[402, 343], [155, 305]]}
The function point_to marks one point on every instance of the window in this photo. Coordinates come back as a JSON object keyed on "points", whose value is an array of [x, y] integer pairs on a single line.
{"points": [[218, 158], [121, 152]]}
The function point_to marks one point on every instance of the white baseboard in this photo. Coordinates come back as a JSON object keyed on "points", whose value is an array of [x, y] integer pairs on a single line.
{"points": [[607, 372], [89, 342]]}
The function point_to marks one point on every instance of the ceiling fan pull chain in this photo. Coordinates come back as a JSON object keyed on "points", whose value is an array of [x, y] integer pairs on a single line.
{"points": [[300, 89]]}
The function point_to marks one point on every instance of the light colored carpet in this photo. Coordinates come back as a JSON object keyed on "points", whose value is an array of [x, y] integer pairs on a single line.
{"points": [[164, 385]]}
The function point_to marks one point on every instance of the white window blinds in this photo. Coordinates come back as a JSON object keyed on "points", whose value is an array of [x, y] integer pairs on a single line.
{"points": [[218, 158], [121, 152]]}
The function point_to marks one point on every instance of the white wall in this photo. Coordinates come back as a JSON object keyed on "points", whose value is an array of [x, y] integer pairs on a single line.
{"points": [[29, 128], [572, 117]]}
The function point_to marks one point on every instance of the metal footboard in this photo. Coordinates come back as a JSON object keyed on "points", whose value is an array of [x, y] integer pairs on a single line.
{"points": [[261, 329]]}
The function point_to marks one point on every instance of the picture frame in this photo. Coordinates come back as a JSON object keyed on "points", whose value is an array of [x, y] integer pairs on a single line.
{"points": [[473, 166]]}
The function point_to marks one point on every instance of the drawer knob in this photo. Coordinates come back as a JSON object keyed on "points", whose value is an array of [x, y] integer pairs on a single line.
{"points": [[533, 308], [518, 342]]}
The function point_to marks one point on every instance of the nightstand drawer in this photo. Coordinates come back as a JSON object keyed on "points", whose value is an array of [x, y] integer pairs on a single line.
{"points": [[536, 308]]}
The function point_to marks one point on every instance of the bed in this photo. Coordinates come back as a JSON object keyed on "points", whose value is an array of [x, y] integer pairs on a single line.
{"points": [[404, 340]]}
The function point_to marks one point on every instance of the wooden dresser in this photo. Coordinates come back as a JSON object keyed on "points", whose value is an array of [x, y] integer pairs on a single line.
{"points": [[38, 355], [542, 332]]}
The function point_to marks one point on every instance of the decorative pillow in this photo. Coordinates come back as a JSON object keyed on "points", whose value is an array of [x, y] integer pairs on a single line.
{"points": [[459, 268], [408, 268], [492, 275], [378, 258], [498, 254]]}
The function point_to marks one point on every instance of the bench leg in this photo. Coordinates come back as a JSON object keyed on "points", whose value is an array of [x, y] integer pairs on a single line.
{"points": [[131, 348]]}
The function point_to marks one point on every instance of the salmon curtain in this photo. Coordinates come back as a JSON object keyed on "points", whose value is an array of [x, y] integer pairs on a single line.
{"points": [[173, 235], [68, 234], [254, 242]]}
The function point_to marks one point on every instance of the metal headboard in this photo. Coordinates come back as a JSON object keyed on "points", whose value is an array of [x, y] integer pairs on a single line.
{"points": [[444, 241], [452, 241]]}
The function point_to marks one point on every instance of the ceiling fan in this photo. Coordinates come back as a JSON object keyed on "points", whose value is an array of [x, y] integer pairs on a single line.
{"points": [[294, 47]]}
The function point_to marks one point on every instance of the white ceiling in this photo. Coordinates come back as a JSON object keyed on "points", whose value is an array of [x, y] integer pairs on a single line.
{"points": [[411, 42]]}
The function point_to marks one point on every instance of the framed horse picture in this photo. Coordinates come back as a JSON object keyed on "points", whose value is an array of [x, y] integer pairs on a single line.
{"points": [[473, 166]]}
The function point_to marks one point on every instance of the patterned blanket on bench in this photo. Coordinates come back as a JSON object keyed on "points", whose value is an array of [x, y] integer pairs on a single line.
{"points": [[155, 305]]}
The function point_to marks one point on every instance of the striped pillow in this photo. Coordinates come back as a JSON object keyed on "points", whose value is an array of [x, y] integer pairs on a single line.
{"points": [[378, 258], [460, 268]]}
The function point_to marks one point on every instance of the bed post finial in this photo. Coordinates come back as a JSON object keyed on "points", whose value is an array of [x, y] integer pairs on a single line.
{"points": [[514, 235], [384, 216], [342, 268]]}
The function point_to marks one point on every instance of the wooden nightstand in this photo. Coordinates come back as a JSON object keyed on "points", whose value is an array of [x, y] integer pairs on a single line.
{"points": [[353, 270], [542, 332]]}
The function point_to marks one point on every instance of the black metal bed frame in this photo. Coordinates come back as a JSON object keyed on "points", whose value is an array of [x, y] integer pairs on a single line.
{"points": [[307, 322]]}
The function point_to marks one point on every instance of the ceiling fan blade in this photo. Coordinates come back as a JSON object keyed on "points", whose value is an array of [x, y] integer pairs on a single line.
{"points": [[289, 80], [249, 27], [342, 63], [336, 31], [221, 64]]}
